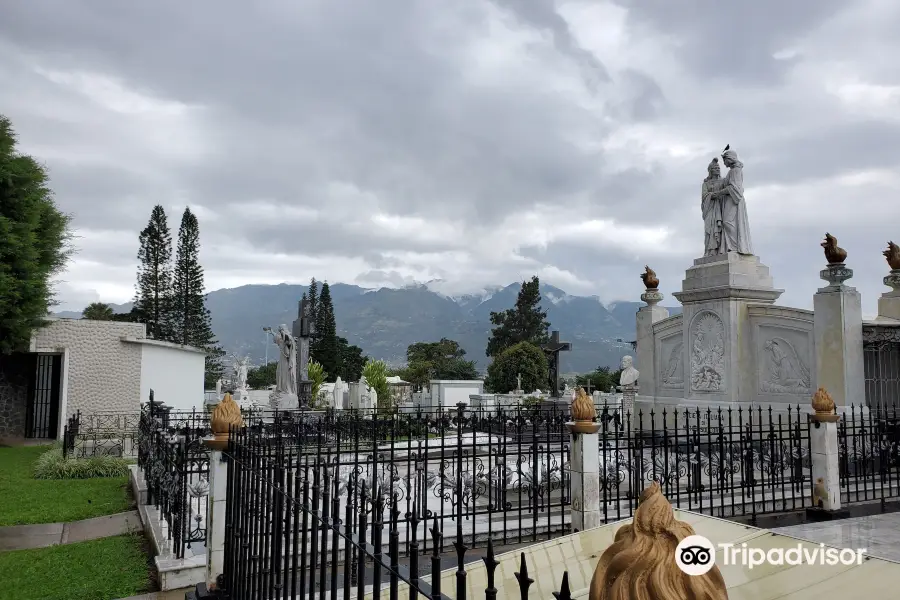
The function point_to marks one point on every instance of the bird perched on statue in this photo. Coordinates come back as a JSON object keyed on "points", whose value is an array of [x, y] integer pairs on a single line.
{"points": [[834, 254], [892, 254], [649, 278]]}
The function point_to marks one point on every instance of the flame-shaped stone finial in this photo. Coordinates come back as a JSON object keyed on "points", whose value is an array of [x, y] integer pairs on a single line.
{"points": [[640, 563], [583, 406], [823, 404], [224, 415]]}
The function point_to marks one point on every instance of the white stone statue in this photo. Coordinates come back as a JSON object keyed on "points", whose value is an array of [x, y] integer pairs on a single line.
{"points": [[629, 374], [338, 394], [285, 395], [712, 210], [735, 223], [373, 397], [219, 388], [240, 367]]}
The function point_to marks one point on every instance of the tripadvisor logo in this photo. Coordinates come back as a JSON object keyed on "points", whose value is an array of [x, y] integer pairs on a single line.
{"points": [[696, 555]]}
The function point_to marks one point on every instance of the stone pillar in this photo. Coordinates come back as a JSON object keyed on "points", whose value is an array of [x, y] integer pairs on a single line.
{"points": [[646, 345], [225, 415], [584, 468], [838, 334], [823, 447], [889, 303]]}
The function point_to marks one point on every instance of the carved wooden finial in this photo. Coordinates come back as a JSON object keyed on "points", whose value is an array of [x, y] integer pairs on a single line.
{"points": [[224, 415], [583, 407], [640, 563]]}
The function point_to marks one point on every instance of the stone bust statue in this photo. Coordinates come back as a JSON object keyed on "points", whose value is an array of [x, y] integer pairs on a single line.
{"points": [[629, 374]]}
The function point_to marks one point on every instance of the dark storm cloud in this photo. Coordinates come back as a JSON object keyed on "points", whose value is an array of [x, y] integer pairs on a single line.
{"points": [[468, 141]]}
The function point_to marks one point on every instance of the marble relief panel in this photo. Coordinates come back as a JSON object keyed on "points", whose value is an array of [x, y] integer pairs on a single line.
{"points": [[783, 358]]}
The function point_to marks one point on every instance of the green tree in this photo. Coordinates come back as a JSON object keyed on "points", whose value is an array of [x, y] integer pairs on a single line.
{"points": [[34, 243], [153, 298], [260, 378], [523, 359], [312, 297], [601, 379], [328, 349], [375, 372], [437, 360], [191, 322], [98, 311], [352, 360], [525, 322], [317, 376]]}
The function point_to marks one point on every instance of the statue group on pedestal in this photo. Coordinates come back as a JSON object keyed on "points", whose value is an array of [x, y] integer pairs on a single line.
{"points": [[284, 396], [725, 222]]}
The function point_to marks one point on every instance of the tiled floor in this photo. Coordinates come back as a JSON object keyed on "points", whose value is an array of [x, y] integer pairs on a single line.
{"points": [[878, 534]]}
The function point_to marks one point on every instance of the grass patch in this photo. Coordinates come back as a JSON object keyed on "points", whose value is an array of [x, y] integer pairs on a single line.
{"points": [[52, 465], [25, 500], [114, 567]]}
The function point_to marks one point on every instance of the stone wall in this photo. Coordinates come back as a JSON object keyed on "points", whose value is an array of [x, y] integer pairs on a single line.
{"points": [[103, 372], [14, 375]]}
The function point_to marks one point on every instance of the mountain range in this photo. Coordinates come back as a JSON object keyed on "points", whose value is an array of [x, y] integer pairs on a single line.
{"points": [[383, 322]]}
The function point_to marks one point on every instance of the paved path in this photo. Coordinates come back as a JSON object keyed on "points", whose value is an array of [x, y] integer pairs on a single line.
{"points": [[22, 537]]}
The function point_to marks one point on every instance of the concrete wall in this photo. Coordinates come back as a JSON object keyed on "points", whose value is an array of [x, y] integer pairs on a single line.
{"points": [[173, 372], [100, 371]]}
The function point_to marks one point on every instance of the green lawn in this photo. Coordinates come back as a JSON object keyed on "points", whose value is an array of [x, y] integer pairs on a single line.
{"points": [[25, 500], [114, 567]]}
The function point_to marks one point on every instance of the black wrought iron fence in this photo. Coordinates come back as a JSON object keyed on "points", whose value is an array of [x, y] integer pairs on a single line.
{"points": [[869, 454], [101, 434], [70, 433], [176, 469], [288, 534], [726, 463], [503, 475]]}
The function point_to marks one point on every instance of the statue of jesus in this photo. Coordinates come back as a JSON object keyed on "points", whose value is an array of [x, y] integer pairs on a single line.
{"points": [[735, 224]]}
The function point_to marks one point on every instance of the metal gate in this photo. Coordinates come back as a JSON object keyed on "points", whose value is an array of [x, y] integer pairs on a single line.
{"points": [[881, 362], [42, 416]]}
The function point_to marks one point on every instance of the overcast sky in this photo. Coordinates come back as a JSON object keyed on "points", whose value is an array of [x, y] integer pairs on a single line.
{"points": [[473, 141]]}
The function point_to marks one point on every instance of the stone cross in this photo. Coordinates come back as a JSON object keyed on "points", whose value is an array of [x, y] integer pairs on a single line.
{"points": [[552, 349], [518, 382], [302, 329]]}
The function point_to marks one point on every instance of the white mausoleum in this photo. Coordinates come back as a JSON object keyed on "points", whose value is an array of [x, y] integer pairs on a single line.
{"points": [[92, 366]]}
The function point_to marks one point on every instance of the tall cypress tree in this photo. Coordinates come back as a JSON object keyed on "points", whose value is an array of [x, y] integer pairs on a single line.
{"points": [[153, 293], [328, 346], [192, 325], [313, 304]]}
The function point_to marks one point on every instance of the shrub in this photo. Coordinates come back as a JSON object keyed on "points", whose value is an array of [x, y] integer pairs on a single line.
{"points": [[52, 465]]}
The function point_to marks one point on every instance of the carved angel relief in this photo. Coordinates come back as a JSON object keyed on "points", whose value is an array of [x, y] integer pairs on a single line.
{"points": [[708, 353], [785, 372], [673, 370]]}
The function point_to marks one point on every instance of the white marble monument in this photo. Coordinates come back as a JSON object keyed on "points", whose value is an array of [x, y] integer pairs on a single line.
{"points": [[284, 397], [732, 345]]}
